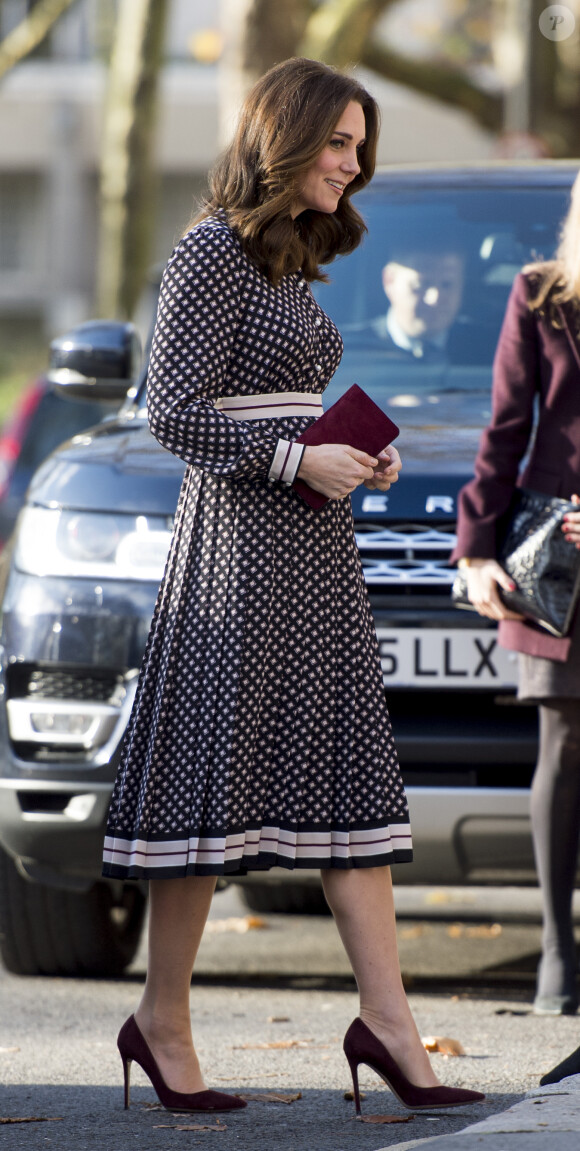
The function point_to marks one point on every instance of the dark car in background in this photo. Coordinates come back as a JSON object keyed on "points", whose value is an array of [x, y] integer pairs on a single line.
{"points": [[90, 546]]}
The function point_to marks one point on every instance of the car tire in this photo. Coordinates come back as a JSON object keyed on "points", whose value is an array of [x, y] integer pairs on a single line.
{"points": [[287, 898], [50, 931]]}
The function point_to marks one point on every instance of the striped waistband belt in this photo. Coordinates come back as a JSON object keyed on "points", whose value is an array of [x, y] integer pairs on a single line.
{"points": [[270, 405]]}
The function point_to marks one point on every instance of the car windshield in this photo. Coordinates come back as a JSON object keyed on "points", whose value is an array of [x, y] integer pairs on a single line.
{"points": [[420, 303]]}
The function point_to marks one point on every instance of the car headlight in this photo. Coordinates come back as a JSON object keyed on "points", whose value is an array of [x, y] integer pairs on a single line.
{"points": [[53, 542]]}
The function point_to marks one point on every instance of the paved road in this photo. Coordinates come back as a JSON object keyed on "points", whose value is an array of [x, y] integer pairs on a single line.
{"points": [[468, 959]]}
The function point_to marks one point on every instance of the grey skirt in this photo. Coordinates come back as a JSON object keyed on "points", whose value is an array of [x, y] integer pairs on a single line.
{"points": [[541, 678]]}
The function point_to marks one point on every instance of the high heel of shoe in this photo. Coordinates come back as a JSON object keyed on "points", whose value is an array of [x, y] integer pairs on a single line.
{"points": [[134, 1047], [127, 1079], [362, 1046], [354, 1066]]}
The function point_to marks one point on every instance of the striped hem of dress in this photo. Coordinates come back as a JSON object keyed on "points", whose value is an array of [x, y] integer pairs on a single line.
{"points": [[257, 850]]}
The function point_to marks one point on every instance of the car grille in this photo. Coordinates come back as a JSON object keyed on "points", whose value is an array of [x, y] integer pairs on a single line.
{"points": [[407, 555], [81, 684]]}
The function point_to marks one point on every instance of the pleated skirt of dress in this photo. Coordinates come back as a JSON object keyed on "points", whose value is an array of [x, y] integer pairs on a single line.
{"points": [[260, 734]]}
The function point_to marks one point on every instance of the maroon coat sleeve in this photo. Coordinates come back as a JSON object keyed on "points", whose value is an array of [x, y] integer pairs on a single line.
{"points": [[504, 443]]}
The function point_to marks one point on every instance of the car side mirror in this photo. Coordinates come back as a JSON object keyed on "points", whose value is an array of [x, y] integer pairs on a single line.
{"points": [[98, 360]]}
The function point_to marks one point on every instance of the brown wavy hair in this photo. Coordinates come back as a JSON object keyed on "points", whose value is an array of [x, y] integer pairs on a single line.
{"points": [[558, 280], [286, 121]]}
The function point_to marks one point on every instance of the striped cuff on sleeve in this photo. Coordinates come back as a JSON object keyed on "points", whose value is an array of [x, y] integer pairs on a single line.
{"points": [[287, 459]]}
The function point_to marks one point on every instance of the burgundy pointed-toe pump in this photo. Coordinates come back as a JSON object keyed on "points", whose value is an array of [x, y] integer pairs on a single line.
{"points": [[133, 1046], [362, 1046]]}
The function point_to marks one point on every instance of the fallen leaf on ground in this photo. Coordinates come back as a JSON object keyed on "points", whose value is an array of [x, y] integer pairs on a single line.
{"points": [[268, 1097], [278, 1019], [274, 1043], [455, 930], [480, 931], [32, 1119], [411, 932], [238, 924], [384, 1118], [484, 931], [190, 1126], [443, 1045]]}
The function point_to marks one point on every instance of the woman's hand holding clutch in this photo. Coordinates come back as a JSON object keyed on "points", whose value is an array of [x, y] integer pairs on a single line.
{"points": [[336, 470], [483, 577], [387, 472]]}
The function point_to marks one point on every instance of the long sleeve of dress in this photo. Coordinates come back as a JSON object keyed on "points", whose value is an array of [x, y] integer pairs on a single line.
{"points": [[504, 443], [193, 357]]}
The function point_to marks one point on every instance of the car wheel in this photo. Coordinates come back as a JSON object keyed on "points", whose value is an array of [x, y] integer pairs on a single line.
{"points": [[49, 931], [289, 898]]}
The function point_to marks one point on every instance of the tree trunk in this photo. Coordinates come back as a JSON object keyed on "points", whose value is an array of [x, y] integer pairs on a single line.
{"points": [[257, 34], [30, 32], [339, 29], [126, 179], [555, 90]]}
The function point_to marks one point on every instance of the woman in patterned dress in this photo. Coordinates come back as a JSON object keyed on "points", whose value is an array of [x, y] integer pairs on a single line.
{"points": [[259, 734]]}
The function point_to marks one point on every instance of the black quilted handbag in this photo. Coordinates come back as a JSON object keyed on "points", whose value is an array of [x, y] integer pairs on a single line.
{"points": [[544, 566]]}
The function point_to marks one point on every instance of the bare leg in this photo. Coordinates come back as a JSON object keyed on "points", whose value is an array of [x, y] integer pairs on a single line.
{"points": [[178, 910], [362, 904]]}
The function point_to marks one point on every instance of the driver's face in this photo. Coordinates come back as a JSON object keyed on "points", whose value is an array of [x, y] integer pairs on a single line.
{"points": [[425, 297]]}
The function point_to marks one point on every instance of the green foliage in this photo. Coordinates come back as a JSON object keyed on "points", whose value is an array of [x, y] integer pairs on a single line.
{"points": [[19, 364]]}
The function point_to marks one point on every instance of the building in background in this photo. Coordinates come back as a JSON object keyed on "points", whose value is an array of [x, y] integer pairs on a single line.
{"points": [[50, 120]]}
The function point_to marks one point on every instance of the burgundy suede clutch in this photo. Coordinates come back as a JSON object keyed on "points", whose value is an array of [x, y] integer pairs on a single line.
{"points": [[355, 420]]}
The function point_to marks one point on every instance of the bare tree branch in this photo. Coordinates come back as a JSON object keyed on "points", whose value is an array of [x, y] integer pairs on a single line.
{"points": [[30, 32], [338, 30], [443, 83], [127, 178]]}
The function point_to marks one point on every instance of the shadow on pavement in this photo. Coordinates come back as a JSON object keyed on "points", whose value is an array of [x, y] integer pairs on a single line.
{"points": [[93, 1118]]}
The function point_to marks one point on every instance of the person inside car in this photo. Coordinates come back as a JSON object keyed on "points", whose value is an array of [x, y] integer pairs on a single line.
{"points": [[425, 322], [424, 290]]}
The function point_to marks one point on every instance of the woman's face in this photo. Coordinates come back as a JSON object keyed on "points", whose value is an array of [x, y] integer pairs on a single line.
{"points": [[336, 165]]}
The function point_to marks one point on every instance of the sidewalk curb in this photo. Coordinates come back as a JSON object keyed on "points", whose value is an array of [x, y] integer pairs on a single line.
{"points": [[553, 1110]]}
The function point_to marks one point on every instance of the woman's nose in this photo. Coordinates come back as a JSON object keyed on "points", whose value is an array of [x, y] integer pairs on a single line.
{"points": [[350, 163]]}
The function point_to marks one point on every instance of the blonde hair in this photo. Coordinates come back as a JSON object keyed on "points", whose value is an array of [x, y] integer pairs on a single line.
{"points": [[286, 121], [559, 279]]}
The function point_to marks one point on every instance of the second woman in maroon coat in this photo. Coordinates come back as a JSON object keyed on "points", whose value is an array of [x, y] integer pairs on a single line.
{"points": [[536, 419]]}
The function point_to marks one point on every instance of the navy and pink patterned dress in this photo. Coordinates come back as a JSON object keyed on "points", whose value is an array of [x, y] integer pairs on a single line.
{"points": [[260, 734]]}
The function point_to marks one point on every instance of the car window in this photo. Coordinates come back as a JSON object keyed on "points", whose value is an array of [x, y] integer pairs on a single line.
{"points": [[55, 420], [420, 304]]}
